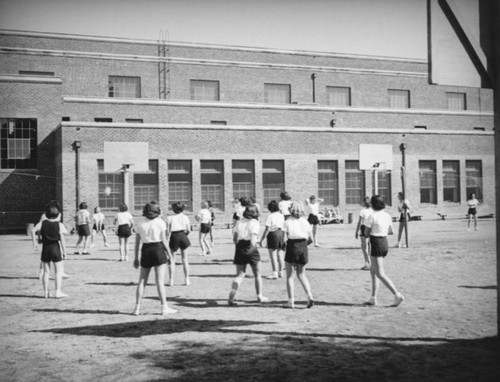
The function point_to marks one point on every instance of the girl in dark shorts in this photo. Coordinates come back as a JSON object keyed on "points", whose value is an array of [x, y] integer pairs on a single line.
{"points": [[245, 236], [82, 220], [125, 223], [298, 234], [378, 226], [472, 203], [154, 254], [204, 217], [98, 226], [178, 228], [364, 214], [313, 218], [274, 237], [51, 231]]}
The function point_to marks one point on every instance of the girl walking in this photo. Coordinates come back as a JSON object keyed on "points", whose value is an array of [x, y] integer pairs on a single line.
{"points": [[313, 205], [178, 227], [364, 214], [125, 223], [154, 254], [82, 220], [378, 226], [472, 203], [274, 236]]}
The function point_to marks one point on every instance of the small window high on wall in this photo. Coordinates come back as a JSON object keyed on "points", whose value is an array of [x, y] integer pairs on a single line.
{"points": [[398, 99], [338, 96], [212, 182], [277, 93], [124, 87], [456, 101], [203, 90]]}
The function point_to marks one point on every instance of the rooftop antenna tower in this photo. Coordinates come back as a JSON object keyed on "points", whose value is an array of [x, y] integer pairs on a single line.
{"points": [[164, 65]]}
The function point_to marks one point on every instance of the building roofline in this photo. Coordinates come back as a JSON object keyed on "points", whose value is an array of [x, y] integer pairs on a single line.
{"points": [[206, 46]]}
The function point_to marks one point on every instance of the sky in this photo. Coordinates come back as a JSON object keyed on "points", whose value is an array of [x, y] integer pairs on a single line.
{"points": [[394, 28]]}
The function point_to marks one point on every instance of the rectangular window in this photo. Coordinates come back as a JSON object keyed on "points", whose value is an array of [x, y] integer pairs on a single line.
{"points": [[474, 178], [277, 93], [124, 87], [384, 185], [180, 183], [354, 182], [328, 182], [146, 186], [451, 181], [243, 178], [110, 187], [428, 190], [338, 96], [399, 99], [203, 90], [18, 143], [456, 101], [212, 182], [273, 179]]}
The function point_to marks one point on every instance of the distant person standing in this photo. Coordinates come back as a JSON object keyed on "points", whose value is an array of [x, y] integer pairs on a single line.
{"points": [[404, 216], [98, 227], [125, 222], [378, 226], [82, 221], [313, 218], [472, 203], [204, 217], [285, 203], [364, 214], [273, 234], [178, 228]]}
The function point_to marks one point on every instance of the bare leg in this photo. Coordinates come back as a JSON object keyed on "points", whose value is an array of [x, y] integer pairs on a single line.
{"points": [[364, 248], [171, 269], [202, 245], [315, 235], [240, 275], [258, 282], [59, 268], [207, 243], [301, 275], [92, 238], [380, 273], [121, 241], [281, 262], [143, 280], [80, 238], [290, 285], [160, 285], [475, 222], [45, 278], [185, 264], [105, 238], [400, 233], [85, 240], [125, 248]]}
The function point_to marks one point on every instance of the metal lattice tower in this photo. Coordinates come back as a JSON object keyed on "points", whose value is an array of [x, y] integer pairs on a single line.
{"points": [[163, 65]]}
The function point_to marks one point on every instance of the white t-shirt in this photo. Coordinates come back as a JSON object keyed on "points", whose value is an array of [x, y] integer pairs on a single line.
{"points": [[284, 206], [245, 229], [204, 216], [151, 230], [275, 221], [124, 218], [297, 228], [313, 208], [364, 214], [472, 203], [82, 217], [379, 223], [178, 222], [98, 218]]}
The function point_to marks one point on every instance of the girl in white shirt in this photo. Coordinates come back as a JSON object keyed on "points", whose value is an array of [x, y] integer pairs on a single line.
{"points": [[274, 236], [154, 254], [82, 221], [204, 217], [245, 236], [98, 219], [284, 204], [178, 230], [298, 234], [313, 218], [125, 223], [378, 226], [472, 203], [364, 214], [404, 215]]}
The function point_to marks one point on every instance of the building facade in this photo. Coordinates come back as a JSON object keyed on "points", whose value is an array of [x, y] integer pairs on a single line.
{"points": [[221, 122]]}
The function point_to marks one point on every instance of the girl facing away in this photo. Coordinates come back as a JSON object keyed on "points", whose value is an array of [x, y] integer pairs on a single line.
{"points": [[364, 214], [51, 232], [98, 227], [273, 234], [82, 221], [178, 228], [245, 236], [154, 253], [378, 226], [313, 205], [284, 204], [404, 215], [204, 217], [125, 222], [472, 203], [298, 234]]}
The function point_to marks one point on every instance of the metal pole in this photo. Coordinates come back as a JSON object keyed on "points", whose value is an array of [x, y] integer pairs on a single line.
{"points": [[403, 148], [76, 146], [126, 191], [313, 78]]}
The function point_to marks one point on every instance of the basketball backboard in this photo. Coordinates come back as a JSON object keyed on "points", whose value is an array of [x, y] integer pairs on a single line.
{"points": [[133, 154], [375, 157]]}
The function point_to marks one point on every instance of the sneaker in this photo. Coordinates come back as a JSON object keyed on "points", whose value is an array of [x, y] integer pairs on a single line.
{"points": [[371, 302], [366, 267], [262, 299], [280, 274], [65, 276], [137, 311], [91, 245], [274, 276], [106, 245], [289, 305], [166, 310], [232, 303], [398, 299], [188, 282], [310, 303], [60, 295]]}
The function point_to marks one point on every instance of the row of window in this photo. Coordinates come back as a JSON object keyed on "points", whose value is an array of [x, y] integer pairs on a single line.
{"points": [[205, 90], [180, 182]]}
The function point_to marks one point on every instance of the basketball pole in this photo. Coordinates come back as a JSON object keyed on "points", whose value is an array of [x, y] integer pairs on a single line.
{"points": [[403, 147], [126, 189]]}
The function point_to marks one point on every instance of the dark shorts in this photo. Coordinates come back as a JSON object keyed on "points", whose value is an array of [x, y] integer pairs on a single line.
{"points": [[205, 227], [124, 230], [313, 219], [51, 253], [235, 216], [362, 230], [83, 230], [402, 218], [296, 251], [275, 240], [472, 211], [178, 239], [245, 253], [95, 228], [153, 255], [379, 246]]}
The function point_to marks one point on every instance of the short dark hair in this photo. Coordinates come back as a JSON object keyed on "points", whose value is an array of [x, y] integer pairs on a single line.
{"points": [[53, 203], [52, 212], [377, 203], [367, 202], [273, 206], [285, 195], [83, 206], [178, 207], [151, 210], [251, 212], [245, 201], [123, 207]]}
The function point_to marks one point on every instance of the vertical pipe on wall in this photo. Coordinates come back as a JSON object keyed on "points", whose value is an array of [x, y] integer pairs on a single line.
{"points": [[313, 78], [76, 146]]}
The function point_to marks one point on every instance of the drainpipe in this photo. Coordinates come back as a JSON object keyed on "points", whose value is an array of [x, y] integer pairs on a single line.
{"points": [[76, 146], [313, 78]]}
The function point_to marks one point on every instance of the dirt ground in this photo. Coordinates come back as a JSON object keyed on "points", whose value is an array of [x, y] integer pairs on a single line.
{"points": [[444, 330]]}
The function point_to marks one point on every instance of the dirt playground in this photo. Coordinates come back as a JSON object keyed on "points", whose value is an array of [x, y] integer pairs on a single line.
{"points": [[445, 330]]}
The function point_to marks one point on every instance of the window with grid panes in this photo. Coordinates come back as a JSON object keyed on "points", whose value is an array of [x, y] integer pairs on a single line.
{"points": [[338, 96], [212, 182], [384, 186], [180, 183], [399, 99], [273, 180], [114, 181], [456, 101], [354, 182], [328, 182], [277, 93], [428, 190], [243, 178], [451, 181], [203, 90], [146, 186], [124, 87], [474, 178], [18, 143]]}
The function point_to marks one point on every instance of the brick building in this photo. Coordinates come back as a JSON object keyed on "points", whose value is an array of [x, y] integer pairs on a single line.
{"points": [[225, 121]]}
